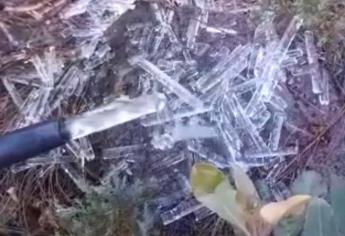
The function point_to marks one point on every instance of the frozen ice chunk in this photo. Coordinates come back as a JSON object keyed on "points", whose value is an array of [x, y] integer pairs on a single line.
{"points": [[183, 132], [125, 110]]}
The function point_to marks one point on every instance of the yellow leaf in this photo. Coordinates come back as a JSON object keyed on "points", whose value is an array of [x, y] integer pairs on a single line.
{"points": [[272, 213], [247, 195], [205, 178]]}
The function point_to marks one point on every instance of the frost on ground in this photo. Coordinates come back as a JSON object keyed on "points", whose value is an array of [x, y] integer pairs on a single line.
{"points": [[240, 90]]}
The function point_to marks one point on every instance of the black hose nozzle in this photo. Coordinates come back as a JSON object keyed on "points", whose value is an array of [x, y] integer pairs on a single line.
{"points": [[31, 141]]}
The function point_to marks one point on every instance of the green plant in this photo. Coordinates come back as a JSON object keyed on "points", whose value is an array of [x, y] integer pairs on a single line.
{"points": [[241, 207], [116, 208]]}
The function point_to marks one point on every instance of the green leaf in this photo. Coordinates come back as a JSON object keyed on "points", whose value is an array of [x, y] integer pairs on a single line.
{"points": [[205, 178], [291, 226], [338, 201], [214, 191], [311, 183], [319, 219]]}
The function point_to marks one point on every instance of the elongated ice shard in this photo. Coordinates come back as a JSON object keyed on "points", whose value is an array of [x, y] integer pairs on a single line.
{"points": [[126, 110], [193, 30], [316, 80], [235, 64], [244, 119], [282, 152], [182, 132], [220, 30], [324, 96], [156, 119], [166, 162], [246, 86], [123, 151], [183, 209], [167, 81], [217, 69], [185, 132], [260, 119], [277, 125]]}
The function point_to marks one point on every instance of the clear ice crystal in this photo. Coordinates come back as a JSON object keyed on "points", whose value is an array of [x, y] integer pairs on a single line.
{"points": [[274, 138], [167, 81], [123, 151], [183, 209], [316, 80], [324, 97]]}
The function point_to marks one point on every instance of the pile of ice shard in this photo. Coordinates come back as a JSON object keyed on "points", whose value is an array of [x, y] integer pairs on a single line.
{"points": [[235, 95], [231, 100]]}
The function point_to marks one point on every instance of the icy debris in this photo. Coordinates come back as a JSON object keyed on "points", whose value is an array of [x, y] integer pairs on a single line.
{"points": [[284, 152], [123, 151], [274, 138], [183, 209], [313, 60], [166, 162], [182, 132], [81, 149], [173, 116], [167, 81]]}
